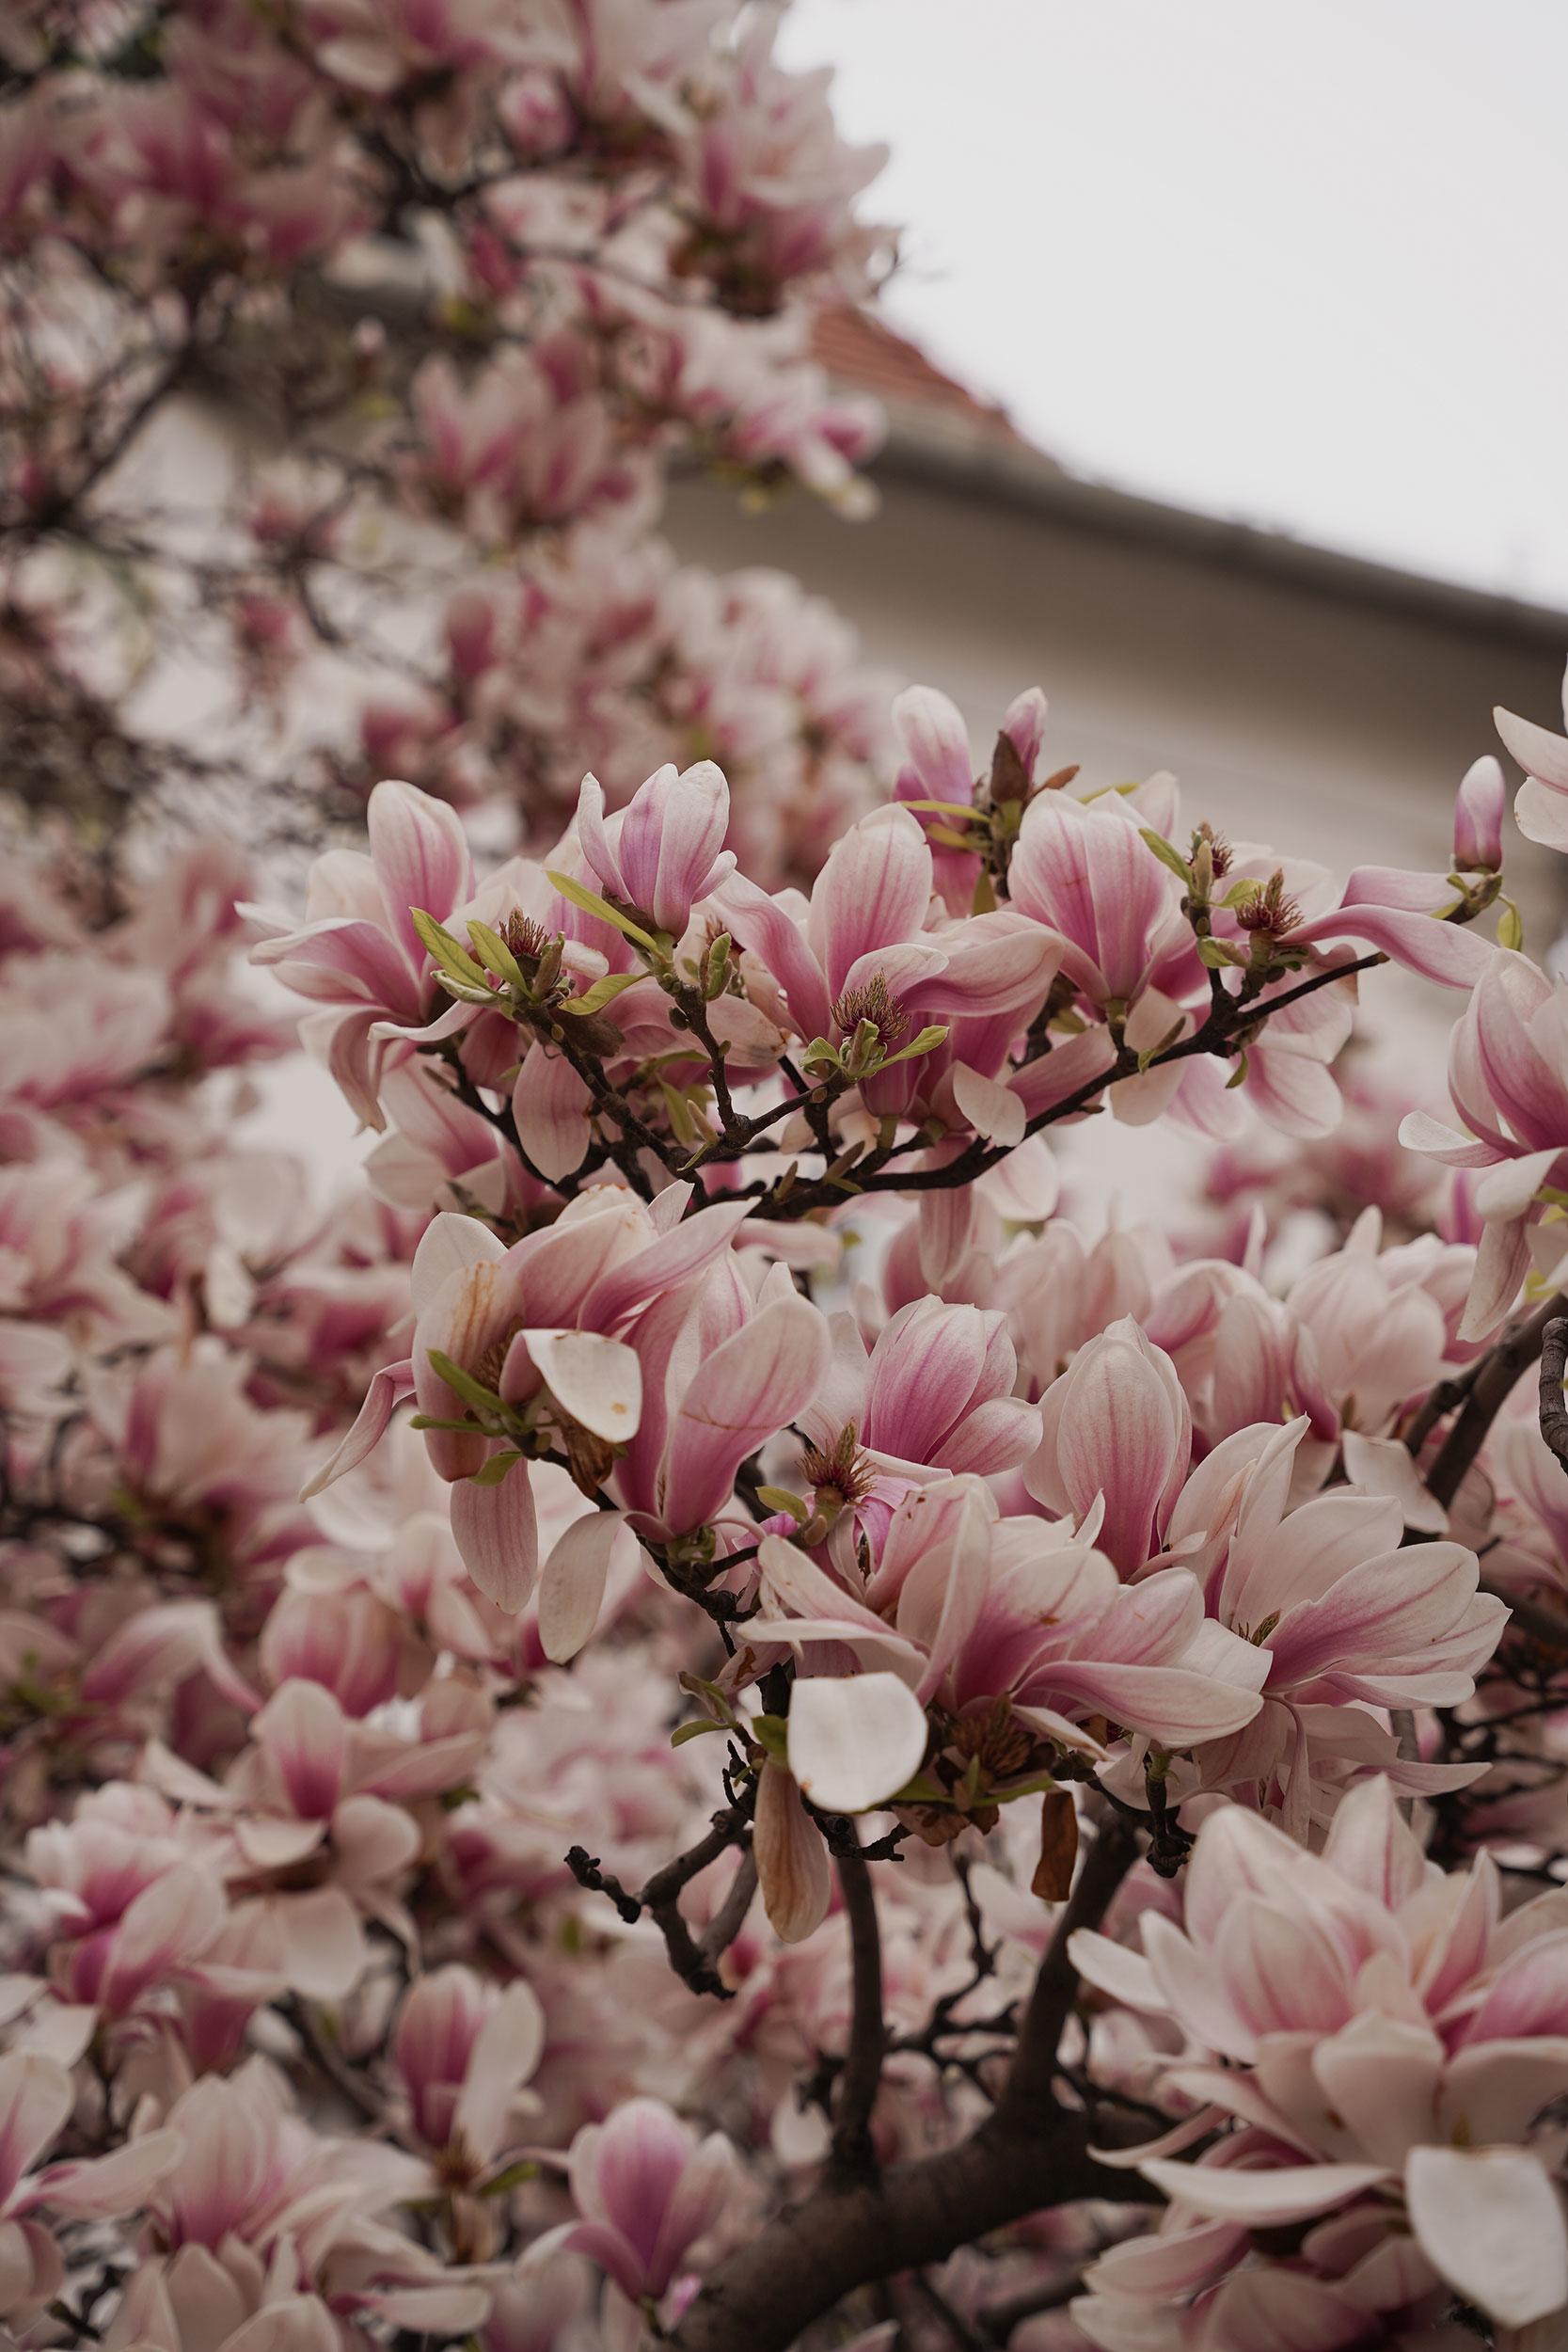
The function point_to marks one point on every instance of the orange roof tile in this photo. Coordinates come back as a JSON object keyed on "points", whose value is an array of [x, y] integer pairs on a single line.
{"points": [[865, 354]]}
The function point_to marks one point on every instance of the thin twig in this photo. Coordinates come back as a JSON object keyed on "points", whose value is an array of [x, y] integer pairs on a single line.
{"points": [[1502, 1368]]}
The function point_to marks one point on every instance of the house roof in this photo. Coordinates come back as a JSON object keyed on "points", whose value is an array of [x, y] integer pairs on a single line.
{"points": [[863, 354], [942, 436]]}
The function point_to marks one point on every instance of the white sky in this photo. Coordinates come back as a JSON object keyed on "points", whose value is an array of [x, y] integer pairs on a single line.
{"points": [[1301, 264]]}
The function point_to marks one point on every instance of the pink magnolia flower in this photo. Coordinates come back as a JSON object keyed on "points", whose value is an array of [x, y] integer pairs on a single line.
{"points": [[1541, 807], [1389, 2045], [665, 850], [1506, 1066], [37, 2098], [1085, 871], [861, 947], [1118, 1425], [648, 2193], [964, 1606], [463, 2051]]}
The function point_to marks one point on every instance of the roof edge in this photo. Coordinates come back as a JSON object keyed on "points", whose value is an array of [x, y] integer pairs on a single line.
{"points": [[1025, 481]]}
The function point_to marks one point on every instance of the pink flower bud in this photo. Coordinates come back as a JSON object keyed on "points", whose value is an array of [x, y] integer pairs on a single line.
{"points": [[1478, 819], [666, 850]]}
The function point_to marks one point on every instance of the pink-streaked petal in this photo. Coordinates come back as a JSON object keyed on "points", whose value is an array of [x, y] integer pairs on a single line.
{"points": [[390, 1386], [495, 1530], [421, 855], [793, 1869], [572, 1583], [1263, 2199]]}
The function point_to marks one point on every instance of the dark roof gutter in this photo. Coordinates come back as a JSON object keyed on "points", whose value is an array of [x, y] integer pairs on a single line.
{"points": [[1025, 482]]}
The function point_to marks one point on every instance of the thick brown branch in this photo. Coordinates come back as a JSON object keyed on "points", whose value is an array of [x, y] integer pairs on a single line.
{"points": [[1554, 1412], [1029, 2079], [1028, 2154], [1503, 1367], [853, 2151]]}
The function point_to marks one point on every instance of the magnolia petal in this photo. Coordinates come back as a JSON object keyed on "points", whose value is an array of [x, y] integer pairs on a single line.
{"points": [[551, 1105], [992, 1110], [1287, 2192], [390, 1386], [505, 2053], [1489, 2222], [793, 1871], [495, 1530], [572, 1586], [1539, 752], [854, 1742], [598, 1381], [449, 1241]]}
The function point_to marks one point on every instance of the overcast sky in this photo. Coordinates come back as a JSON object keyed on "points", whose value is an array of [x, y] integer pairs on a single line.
{"points": [[1299, 265]]}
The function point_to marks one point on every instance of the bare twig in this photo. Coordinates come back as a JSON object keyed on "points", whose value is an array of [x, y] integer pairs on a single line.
{"points": [[693, 1961]]}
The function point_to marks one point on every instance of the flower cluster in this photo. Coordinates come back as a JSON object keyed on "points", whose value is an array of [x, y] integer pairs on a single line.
{"points": [[480, 275], [696, 1651]]}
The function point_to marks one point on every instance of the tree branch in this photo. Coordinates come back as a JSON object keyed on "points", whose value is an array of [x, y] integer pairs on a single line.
{"points": [[853, 2151], [1488, 1392], [1029, 2153], [1554, 1411]]}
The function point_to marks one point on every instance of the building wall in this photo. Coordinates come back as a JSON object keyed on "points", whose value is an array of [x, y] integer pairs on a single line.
{"points": [[1334, 726]]}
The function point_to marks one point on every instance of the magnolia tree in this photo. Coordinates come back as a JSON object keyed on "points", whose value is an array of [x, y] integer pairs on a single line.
{"points": [[344, 349], [593, 1755], [691, 1715]]}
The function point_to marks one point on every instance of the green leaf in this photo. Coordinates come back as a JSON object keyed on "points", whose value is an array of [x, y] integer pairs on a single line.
{"points": [[1167, 855], [942, 808], [948, 838], [921, 1789], [469, 994], [602, 993], [1038, 1785], [434, 1421], [498, 955], [1240, 892], [683, 1732], [495, 1469], [591, 903], [771, 1733], [514, 2176], [1238, 1076], [925, 1042], [447, 953], [780, 1499], [1511, 928], [463, 1384], [1218, 953]]}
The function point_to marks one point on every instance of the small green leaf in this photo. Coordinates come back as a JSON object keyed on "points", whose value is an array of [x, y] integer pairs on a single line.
{"points": [[921, 1789], [468, 993], [514, 2176], [1167, 855], [495, 1469], [771, 1733], [1238, 1076], [925, 1042], [1511, 928], [498, 955], [780, 1499], [683, 1732], [591, 903], [1240, 892], [948, 838], [446, 950], [434, 1421], [1218, 953], [463, 1384], [1038, 1785], [602, 993], [942, 808]]}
